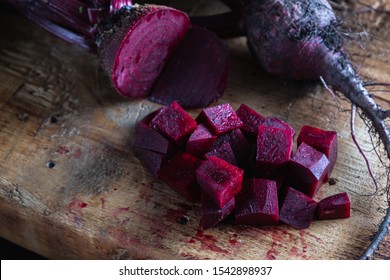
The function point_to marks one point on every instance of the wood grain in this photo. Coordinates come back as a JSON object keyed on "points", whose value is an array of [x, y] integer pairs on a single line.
{"points": [[71, 187]]}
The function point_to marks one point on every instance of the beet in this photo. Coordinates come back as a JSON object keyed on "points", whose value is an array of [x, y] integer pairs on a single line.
{"points": [[250, 118], [307, 169], [151, 160], [220, 180], [278, 123], [175, 123], [197, 73], [257, 203], [220, 118], [297, 209], [336, 206], [225, 152], [148, 138], [200, 141], [273, 150], [179, 173], [321, 140], [211, 213]]}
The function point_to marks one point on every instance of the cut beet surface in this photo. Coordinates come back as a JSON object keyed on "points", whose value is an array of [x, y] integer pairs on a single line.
{"points": [[336, 206], [275, 122], [151, 160], [175, 123], [297, 209], [179, 173], [307, 170], [211, 213], [135, 50], [197, 73], [200, 141], [321, 140], [220, 180], [220, 118], [225, 152], [257, 203], [250, 118], [273, 149]]}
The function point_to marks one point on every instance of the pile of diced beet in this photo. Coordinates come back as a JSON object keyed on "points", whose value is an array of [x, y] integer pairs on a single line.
{"points": [[239, 163]]}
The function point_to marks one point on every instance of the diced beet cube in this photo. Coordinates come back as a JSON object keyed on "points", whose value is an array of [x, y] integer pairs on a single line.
{"points": [[225, 152], [336, 206], [149, 117], [220, 180], [148, 138], [275, 122], [273, 150], [257, 203], [151, 160], [321, 140], [307, 169], [211, 213], [297, 209], [250, 118], [174, 123], [200, 141], [239, 144], [220, 118], [180, 174]]}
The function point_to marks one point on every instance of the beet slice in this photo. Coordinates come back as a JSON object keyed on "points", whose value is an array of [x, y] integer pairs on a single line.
{"points": [[276, 122], [225, 152], [257, 203], [151, 160], [297, 209], [179, 173], [220, 180], [197, 73], [273, 150], [321, 140], [138, 43], [336, 206], [211, 213], [200, 141], [175, 123], [250, 118], [220, 118], [307, 169]]}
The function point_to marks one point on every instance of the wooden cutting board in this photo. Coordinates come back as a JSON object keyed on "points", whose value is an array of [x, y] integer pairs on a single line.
{"points": [[71, 187]]}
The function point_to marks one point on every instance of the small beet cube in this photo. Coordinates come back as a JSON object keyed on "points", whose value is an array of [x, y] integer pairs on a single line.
{"points": [[220, 118], [239, 144], [250, 118], [321, 140], [297, 209], [149, 117], [336, 206], [220, 180], [152, 160], [173, 122], [179, 173], [211, 213], [307, 169], [257, 203], [225, 152], [274, 148], [275, 122], [200, 141]]}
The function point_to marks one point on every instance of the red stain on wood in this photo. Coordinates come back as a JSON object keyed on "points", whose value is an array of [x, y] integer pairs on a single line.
{"points": [[209, 242], [76, 205]]}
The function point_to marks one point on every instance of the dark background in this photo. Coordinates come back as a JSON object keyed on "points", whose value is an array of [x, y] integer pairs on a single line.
{"points": [[10, 251]]}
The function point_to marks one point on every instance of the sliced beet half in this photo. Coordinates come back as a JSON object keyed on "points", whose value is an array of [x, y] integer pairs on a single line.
{"points": [[197, 73], [137, 43]]}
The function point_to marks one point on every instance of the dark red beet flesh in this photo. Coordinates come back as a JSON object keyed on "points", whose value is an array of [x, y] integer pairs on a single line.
{"points": [[151, 160], [179, 173], [297, 209], [220, 180], [321, 140], [135, 49], [336, 206], [250, 118], [278, 123], [148, 138], [197, 73], [220, 118], [211, 213], [273, 150], [307, 170], [200, 141], [225, 152], [257, 203], [175, 123]]}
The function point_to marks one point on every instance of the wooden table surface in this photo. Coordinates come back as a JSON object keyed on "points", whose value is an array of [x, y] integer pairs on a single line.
{"points": [[71, 187]]}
